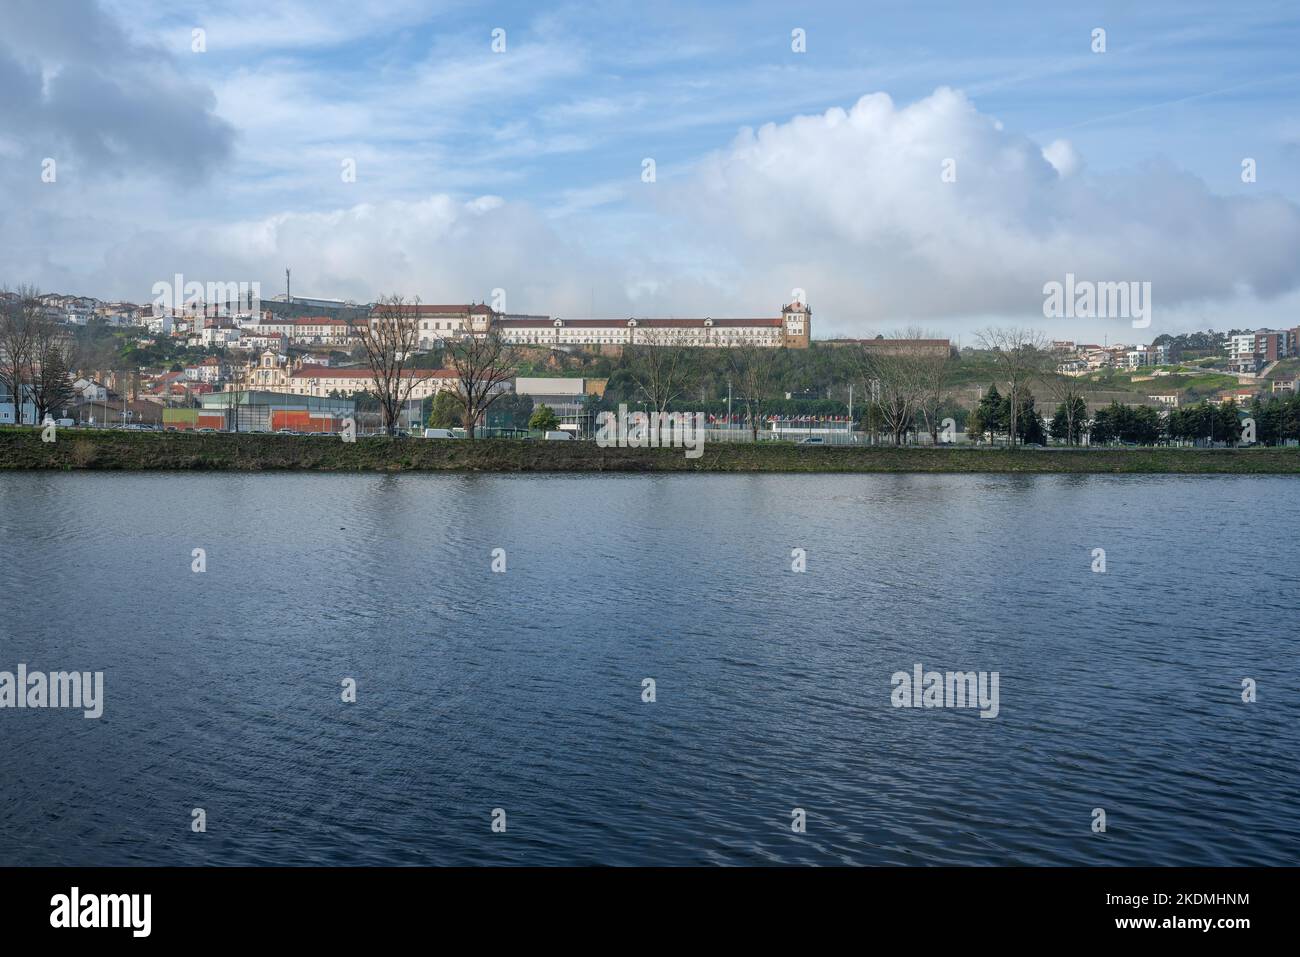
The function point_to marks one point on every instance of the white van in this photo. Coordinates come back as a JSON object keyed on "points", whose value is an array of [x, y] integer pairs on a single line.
{"points": [[438, 434], [561, 436]]}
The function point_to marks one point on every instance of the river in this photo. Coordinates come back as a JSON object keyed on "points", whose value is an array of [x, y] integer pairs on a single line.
{"points": [[524, 690]]}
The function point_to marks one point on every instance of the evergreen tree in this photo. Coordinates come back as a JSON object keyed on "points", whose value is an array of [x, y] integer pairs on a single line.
{"points": [[445, 413], [544, 419], [1065, 430], [989, 415]]}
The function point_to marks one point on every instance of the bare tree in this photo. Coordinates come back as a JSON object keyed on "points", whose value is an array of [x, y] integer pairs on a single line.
{"points": [[483, 364], [754, 368], [18, 317], [390, 337], [934, 366], [1020, 354], [51, 366], [662, 368], [900, 379]]}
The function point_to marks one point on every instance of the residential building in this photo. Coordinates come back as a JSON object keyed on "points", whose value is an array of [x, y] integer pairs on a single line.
{"points": [[303, 330], [278, 373], [8, 411], [1249, 352], [1146, 356], [218, 334], [90, 390], [253, 339], [211, 370], [1242, 396]]}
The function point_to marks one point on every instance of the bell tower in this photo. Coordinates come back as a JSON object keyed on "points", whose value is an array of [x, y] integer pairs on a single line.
{"points": [[796, 322]]}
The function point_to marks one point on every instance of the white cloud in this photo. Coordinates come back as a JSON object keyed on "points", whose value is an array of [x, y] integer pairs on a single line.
{"points": [[437, 248], [1063, 157], [851, 205]]}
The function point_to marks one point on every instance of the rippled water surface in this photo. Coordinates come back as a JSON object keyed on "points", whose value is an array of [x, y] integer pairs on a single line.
{"points": [[523, 690]]}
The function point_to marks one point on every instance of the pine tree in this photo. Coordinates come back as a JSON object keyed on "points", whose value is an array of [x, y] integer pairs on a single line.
{"points": [[990, 413]]}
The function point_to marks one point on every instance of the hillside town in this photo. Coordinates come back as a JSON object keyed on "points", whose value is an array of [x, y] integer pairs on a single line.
{"points": [[307, 365]]}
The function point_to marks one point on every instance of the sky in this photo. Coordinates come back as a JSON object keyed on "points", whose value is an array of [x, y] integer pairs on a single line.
{"points": [[895, 165]]}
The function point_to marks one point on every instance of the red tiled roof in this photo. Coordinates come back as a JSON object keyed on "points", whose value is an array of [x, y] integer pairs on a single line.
{"points": [[327, 372], [641, 323], [427, 309], [894, 342]]}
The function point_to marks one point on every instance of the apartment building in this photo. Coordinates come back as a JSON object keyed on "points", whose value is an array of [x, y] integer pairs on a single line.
{"points": [[1249, 352], [1146, 356], [211, 370]]}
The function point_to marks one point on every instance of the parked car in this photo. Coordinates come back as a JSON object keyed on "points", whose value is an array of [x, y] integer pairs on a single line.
{"points": [[438, 434], [812, 440], [206, 430], [558, 436]]}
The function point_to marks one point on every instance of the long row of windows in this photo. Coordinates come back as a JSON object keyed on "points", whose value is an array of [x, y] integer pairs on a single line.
{"points": [[692, 338]]}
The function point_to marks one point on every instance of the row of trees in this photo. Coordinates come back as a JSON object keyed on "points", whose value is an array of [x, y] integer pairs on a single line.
{"points": [[901, 385], [996, 414], [1140, 425], [390, 338], [36, 355], [908, 379], [1276, 420]]}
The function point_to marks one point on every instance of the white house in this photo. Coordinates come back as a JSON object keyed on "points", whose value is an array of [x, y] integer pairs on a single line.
{"points": [[90, 390], [7, 408]]}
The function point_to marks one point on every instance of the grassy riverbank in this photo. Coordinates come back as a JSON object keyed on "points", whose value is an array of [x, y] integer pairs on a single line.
{"points": [[118, 450]]}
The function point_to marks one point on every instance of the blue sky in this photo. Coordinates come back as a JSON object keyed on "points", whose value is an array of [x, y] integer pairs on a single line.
{"points": [[522, 170]]}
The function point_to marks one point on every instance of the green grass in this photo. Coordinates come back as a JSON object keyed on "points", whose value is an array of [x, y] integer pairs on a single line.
{"points": [[114, 450], [1285, 369]]}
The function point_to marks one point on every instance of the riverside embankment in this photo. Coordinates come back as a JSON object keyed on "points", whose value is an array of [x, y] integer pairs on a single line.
{"points": [[116, 450]]}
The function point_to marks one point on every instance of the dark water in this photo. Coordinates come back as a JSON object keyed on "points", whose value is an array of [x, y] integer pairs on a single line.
{"points": [[522, 690]]}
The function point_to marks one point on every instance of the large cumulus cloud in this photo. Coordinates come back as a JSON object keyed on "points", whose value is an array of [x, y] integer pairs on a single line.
{"points": [[852, 205]]}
